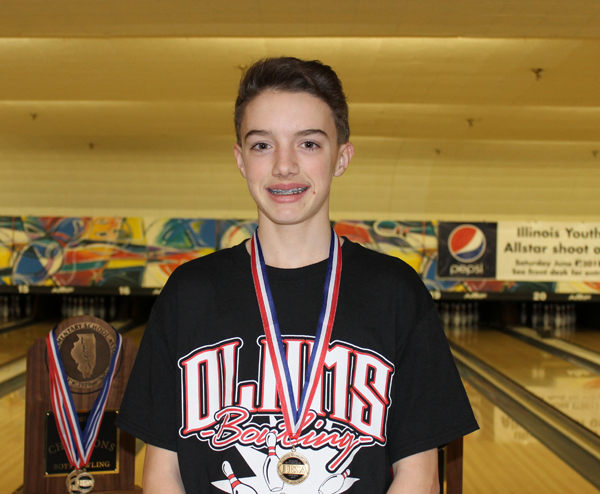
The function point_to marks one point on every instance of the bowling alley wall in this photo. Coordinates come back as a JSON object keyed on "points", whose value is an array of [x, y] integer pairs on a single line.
{"points": [[456, 260]]}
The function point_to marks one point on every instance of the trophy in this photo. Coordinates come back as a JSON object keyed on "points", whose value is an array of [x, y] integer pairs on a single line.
{"points": [[76, 378]]}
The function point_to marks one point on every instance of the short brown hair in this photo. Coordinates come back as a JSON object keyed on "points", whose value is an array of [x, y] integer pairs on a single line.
{"points": [[295, 76]]}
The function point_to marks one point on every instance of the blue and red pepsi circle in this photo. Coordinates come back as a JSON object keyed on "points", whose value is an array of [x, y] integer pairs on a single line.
{"points": [[466, 243]]}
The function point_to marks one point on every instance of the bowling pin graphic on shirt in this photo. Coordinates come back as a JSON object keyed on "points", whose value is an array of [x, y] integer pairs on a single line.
{"points": [[272, 478], [334, 483], [236, 486]]}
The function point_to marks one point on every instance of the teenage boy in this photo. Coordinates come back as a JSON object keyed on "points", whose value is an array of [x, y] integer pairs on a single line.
{"points": [[296, 361]]}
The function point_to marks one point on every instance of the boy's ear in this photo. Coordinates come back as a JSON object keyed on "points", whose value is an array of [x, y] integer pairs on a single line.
{"points": [[239, 159], [345, 154]]}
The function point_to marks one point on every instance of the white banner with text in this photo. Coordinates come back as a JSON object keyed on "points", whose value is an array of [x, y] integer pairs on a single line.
{"points": [[548, 251]]}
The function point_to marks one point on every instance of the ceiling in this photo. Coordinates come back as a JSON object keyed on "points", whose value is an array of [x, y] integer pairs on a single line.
{"points": [[486, 84], [278, 18]]}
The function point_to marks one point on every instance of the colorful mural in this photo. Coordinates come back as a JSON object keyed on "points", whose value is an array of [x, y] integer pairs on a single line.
{"points": [[99, 251], [143, 252]]}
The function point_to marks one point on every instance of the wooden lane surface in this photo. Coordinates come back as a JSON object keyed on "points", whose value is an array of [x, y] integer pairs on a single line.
{"points": [[139, 466], [571, 389], [12, 427], [589, 339], [15, 343], [503, 458]]}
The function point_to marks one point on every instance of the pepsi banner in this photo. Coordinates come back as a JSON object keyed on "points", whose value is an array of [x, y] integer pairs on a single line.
{"points": [[466, 250]]}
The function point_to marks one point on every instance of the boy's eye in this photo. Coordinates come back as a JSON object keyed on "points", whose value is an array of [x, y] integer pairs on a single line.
{"points": [[310, 145], [261, 146]]}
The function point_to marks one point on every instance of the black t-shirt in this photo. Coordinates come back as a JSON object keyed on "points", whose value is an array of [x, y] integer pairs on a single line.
{"points": [[203, 383]]}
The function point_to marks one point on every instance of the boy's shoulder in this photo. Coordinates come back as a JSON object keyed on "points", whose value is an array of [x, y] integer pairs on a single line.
{"points": [[370, 259], [380, 271], [225, 262]]}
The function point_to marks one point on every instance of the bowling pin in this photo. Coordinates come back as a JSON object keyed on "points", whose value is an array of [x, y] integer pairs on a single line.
{"points": [[272, 478], [446, 316], [559, 320], [17, 307], [456, 319], [113, 309], [236, 486], [469, 317], [573, 318], [5, 309], [92, 310], [28, 307], [523, 314], [333, 484], [9, 303], [101, 308]]}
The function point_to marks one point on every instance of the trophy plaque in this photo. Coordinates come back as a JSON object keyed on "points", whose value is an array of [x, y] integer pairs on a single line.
{"points": [[85, 346]]}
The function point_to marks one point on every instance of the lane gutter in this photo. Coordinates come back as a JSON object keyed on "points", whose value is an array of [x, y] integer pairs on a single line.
{"points": [[574, 354], [576, 445], [10, 326]]}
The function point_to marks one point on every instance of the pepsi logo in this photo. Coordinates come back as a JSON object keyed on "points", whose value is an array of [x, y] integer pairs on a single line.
{"points": [[466, 243]]}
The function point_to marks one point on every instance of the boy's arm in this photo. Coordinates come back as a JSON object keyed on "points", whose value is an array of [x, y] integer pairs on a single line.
{"points": [[161, 472], [416, 474]]}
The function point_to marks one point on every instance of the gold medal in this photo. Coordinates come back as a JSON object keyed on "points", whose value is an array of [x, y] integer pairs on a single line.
{"points": [[80, 482], [293, 468]]}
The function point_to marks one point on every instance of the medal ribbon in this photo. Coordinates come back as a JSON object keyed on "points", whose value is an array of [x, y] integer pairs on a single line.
{"points": [[78, 445], [294, 414]]}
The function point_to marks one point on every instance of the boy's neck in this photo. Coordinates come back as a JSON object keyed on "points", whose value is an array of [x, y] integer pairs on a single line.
{"points": [[294, 246]]}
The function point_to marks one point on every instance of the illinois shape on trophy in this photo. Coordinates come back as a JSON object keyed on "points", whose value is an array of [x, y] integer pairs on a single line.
{"points": [[272, 479], [237, 487], [334, 483]]}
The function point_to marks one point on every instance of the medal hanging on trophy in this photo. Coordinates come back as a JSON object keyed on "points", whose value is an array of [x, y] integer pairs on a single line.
{"points": [[293, 468], [78, 445]]}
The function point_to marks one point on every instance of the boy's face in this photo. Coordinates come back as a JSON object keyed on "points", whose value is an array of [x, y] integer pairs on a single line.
{"points": [[289, 156]]}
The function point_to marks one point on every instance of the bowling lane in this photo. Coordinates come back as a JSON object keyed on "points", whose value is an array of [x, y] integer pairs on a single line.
{"points": [[139, 465], [569, 388], [12, 425], [589, 339], [502, 457], [14, 344]]}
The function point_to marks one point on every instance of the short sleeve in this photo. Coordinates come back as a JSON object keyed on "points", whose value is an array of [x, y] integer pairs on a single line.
{"points": [[430, 405], [149, 409]]}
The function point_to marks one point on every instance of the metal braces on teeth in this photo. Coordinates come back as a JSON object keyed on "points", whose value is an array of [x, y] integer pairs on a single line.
{"points": [[281, 192]]}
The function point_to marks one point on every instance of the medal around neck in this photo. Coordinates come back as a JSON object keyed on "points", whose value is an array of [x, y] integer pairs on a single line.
{"points": [[86, 335], [293, 468]]}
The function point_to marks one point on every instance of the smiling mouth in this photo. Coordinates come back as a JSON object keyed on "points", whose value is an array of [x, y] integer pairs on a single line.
{"points": [[290, 192]]}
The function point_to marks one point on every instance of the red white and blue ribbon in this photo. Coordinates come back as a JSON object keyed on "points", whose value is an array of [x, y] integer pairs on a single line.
{"points": [[295, 410], [78, 445]]}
